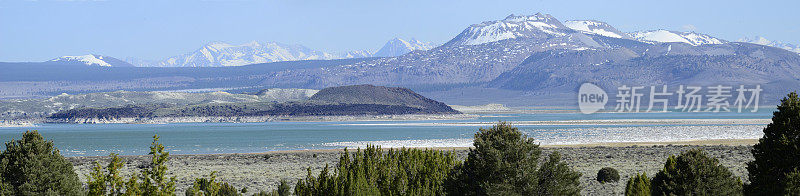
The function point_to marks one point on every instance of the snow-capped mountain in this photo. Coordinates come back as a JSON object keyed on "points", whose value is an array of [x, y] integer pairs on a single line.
{"points": [[665, 36], [357, 54], [514, 26], [764, 41], [220, 54], [595, 27], [397, 47], [93, 60]]}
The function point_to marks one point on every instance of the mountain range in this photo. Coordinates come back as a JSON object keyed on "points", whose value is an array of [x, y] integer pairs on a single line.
{"points": [[764, 41], [519, 60], [221, 54], [92, 60]]}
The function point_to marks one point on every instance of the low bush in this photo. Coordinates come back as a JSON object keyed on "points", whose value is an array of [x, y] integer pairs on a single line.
{"points": [[283, 190], [607, 174]]}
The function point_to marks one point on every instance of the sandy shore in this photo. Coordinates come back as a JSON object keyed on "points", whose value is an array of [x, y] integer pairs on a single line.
{"points": [[262, 171]]}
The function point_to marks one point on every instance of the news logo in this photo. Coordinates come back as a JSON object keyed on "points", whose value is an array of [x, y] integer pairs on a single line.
{"points": [[591, 98]]}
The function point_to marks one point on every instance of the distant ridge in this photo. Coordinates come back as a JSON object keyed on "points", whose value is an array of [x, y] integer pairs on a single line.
{"points": [[92, 60]]}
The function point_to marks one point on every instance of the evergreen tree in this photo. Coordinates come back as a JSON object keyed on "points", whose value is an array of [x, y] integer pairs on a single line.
{"points": [[374, 172], [283, 189], [694, 173], [5, 188], [778, 152], [638, 185], [505, 162], [154, 182], [792, 184], [107, 181], [32, 166], [557, 178]]}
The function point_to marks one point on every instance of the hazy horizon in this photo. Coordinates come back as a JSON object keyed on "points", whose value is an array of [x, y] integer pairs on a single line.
{"points": [[42, 30]]}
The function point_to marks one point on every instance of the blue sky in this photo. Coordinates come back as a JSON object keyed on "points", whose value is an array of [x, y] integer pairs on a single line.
{"points": [[42, 30]]}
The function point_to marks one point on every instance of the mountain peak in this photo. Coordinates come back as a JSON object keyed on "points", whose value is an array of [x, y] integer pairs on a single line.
{"points": [[93, 60], [514, 26], [764, 41], [397, 47], [666, 36], [595, 27]]}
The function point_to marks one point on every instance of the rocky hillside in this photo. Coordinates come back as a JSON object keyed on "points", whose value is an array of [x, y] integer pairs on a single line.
{"points": [[334, 101]]}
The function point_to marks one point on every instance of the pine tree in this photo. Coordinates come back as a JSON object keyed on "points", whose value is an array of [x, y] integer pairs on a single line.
{"points": [[154, 182], [778, 152], [694, 173], [505, 162], [32, 166], [792, 184], [107, 181], [372, 171], [638, 185]]}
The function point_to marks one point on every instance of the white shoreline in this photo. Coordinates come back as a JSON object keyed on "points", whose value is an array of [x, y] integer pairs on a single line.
{"points": [[608, 122]]}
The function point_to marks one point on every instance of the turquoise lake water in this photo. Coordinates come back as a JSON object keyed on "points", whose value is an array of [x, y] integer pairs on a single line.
{"points": [[203, 138]]}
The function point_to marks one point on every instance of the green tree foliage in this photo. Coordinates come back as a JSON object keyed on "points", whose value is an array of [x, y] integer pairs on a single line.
{"points": [[374, 172], [32, 166], [638, 185], [154, 181], [107, 181], [5, 188], [607, 174], [778, 151], [284, 189], [792, 184], [694, 173], [506, 162], [210, 187]]}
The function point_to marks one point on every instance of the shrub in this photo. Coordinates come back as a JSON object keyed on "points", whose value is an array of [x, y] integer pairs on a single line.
{"points": [[607, 174], [638, 185], [32, 166], [505, 162], [373, 172], [204, 186], [283, 190], [778, 151], [694, 173]]}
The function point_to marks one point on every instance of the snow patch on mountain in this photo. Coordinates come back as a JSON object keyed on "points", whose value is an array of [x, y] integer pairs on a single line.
{"points": [[397, 47], [93, 60], [595, 27], [665, 36], [513, 26], [356, 54], [764, 41], [220, 54]]}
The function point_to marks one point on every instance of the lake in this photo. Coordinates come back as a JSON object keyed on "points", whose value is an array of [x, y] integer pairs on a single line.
{"points": [[206, 138]]}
